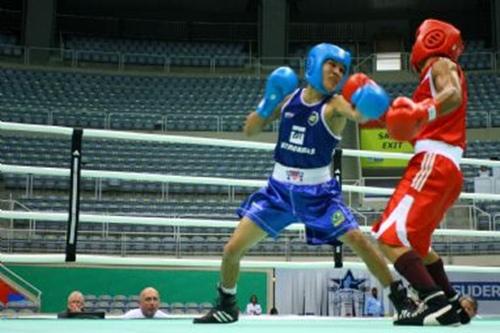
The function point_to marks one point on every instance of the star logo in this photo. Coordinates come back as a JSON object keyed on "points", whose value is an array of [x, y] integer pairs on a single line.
{"points": [[337, 218], [347, 282], [313, 118]]}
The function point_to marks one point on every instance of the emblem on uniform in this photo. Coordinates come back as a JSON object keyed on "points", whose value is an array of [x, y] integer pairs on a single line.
{"points": [[337, 218], [313, 118], [295, 175], [297, 135]]}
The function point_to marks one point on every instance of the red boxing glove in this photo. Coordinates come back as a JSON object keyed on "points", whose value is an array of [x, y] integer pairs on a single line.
{"points": [[353, 83], [405, 118]]}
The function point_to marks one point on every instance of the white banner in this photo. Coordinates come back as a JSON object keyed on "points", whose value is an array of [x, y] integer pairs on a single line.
{"points": [[343, 292], [484, 287], [325, 292]]}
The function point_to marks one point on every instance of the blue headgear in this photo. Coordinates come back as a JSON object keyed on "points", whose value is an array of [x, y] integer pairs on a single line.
{"points": [[314, 65]]}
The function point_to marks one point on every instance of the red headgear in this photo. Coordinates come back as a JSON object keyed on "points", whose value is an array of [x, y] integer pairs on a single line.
{"points": [[436, 38]]}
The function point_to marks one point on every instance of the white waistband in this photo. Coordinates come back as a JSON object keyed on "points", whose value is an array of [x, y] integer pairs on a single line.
{"points": [[454, 153], [301, 176]]}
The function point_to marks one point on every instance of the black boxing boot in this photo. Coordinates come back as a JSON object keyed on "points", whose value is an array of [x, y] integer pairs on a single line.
{"points": [[435, 310], [399, 297], [225, 310]]}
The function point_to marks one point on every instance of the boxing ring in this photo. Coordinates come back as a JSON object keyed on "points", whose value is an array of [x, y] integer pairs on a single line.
{"points": [[180, 323]]}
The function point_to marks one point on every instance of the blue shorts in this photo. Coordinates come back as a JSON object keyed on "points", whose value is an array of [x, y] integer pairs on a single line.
{"points": [[319, 207]]}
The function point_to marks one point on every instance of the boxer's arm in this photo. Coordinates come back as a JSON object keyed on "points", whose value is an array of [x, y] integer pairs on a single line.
{"points": [[405, 118], [336, 113], [280, 84], [340, 107], [254, 124], [366, 96], [447, 83]]}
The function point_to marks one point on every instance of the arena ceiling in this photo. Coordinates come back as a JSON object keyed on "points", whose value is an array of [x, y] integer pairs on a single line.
{"points": [[239, 8]]}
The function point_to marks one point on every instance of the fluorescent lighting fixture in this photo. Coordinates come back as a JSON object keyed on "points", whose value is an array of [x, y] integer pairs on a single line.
{"points": [[388, 61]]}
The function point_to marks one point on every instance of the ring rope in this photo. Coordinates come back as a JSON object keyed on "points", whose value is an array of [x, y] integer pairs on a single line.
{"points": [[192, 222], [154, 177], [134, 136], [88, 259]]}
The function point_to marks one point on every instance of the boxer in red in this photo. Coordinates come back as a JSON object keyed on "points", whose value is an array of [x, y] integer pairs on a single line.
{"points": [[434, 122]]}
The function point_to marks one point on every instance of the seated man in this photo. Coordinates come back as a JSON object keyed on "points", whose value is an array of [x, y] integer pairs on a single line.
{"points": [[148, 306], [373, 305], [76, 302], [253, 307], [75, 308]]}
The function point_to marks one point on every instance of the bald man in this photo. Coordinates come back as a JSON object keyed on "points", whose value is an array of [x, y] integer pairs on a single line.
{"points": [[148, 306]]}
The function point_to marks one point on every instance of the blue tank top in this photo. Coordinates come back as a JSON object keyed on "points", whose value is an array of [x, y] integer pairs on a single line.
{"points": [[304, 140]]}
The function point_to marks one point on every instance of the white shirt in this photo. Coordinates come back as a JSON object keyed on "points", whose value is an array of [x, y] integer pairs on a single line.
{"points": [[137, 314], [373, 307], [484, 173], [253, 309]]}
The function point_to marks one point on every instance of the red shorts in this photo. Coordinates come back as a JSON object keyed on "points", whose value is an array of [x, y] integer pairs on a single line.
{"points": [[430, 185]]}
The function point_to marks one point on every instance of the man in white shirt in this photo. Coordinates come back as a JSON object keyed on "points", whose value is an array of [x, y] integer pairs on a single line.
{"points": [[484, 171], [253, 308], [148, 306]]}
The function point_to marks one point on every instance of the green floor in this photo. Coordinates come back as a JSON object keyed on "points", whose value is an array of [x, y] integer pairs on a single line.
{"points": [[245, 325]]}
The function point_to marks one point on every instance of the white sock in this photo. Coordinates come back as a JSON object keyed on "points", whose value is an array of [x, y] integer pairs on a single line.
{"points": [[230, 291]]}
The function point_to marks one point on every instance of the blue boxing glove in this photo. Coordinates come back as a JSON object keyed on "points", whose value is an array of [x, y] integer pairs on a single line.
{"points": [[371, 100], [280, 83]]}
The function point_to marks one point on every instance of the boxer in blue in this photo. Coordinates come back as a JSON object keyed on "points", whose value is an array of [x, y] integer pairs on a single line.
{"points": [[301, 188]]}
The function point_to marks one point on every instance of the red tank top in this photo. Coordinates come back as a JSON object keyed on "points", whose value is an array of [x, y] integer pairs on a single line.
{"points": [[450, 128]]}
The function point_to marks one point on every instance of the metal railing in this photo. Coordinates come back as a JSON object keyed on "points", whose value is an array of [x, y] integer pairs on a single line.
{"points": [[178, 242], [211, 64], [182, 242], [152, 121], [170, 64], [456, 218], [164, 122], [496, 221]]}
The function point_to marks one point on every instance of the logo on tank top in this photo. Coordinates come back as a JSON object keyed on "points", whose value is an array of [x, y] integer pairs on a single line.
{"points": [[313, 118], [296, 141], [297, 135], [337, 218]]}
